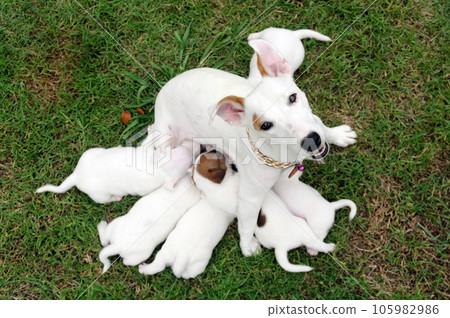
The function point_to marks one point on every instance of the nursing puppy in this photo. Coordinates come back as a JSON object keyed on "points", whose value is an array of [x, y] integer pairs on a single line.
{"points": [[305, 202], [135, 235], [107, 175], [189, 246], [276, 227], [288, 43]]}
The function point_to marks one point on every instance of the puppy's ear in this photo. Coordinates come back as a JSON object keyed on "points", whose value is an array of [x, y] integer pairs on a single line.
{"points": [[231, 109], [270, 61]]}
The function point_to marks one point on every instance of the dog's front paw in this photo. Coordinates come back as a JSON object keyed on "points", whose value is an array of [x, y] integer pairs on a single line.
{"points": [[251, 248], [342, 136]]}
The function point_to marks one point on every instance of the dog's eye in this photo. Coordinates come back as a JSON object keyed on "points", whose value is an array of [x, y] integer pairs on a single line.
{"points": [[266, 125], [293, 98]]}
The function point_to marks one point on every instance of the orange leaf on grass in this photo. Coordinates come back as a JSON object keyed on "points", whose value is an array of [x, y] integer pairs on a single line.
{"points": [[140, 111], [126, 115]]}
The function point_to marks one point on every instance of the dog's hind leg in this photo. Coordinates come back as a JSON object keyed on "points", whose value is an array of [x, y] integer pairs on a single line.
{"points": [[195, 269], [105, 253], [134, 259], [101, 198], [158, 265], [63, 187], [179, 265], [313, 247], [282, 259], [101, 227]]}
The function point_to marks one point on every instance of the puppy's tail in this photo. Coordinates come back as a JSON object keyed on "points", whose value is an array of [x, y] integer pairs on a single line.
{"points": [[105, 253], [282, 259], [345, 203], [310, 34], [63, 187]]}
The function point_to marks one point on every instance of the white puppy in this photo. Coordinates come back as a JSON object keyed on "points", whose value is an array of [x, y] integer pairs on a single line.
{"points": [[135, 235], [189, 246], [288, 43], [276, 227], [107, 175], [305, 202]]}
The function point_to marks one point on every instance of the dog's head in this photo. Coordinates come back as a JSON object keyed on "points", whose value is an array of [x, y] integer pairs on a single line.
{"points": [[276, 108], [215, 175]]}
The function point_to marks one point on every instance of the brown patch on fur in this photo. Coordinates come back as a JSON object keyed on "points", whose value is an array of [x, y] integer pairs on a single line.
{"points": [[261, 219], [235, 99], [257, 121], [212, 166], [261, 68]]}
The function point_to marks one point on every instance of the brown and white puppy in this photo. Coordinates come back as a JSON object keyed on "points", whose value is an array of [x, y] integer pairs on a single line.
{"points": [[277, 227], [189, 246]]}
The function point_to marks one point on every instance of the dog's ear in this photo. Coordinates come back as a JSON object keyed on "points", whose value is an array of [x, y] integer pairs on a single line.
{"points": [[270, 62], [231, 109]]}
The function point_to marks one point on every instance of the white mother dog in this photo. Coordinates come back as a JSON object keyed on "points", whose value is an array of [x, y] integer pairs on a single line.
{"points": [[275, 108]]}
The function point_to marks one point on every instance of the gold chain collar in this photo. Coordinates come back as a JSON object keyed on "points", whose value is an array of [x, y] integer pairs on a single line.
{"points": [[268, 161]]}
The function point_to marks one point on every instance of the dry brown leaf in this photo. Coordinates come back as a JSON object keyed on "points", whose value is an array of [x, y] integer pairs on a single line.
{"points": [[126, 115]]}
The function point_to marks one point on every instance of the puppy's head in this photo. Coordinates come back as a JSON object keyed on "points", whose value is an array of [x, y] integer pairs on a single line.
{"points": [[211, 165], [212, 172]]}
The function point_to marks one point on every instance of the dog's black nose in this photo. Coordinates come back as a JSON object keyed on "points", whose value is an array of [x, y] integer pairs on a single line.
{"points": [[311, 142]]}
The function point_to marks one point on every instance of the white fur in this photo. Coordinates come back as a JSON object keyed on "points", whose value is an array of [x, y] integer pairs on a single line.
{"points": [[189, 246], [109, 174], [307, 203], [282, 230], [288, 43], [185, 103], [135, 235]]}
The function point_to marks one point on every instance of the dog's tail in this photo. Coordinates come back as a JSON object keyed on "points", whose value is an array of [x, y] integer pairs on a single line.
{"points": [[310, 34], [345, 203], [282, 259], [106, 252], [63, 187]]}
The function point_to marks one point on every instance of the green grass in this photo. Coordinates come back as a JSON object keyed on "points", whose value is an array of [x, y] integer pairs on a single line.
{"points": [[64, 84]]}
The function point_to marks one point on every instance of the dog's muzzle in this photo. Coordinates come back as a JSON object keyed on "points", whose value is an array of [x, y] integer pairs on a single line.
{"points": [[312, 142], [322, 153]]}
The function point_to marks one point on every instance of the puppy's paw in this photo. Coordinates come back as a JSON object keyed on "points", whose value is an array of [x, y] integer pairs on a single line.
{"points": [[342, 136], [116, 198], [330, 247], [251, 248], [312, 252], [143, 269]]}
